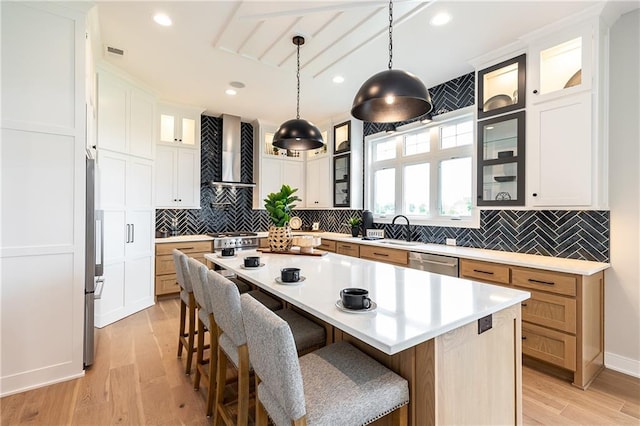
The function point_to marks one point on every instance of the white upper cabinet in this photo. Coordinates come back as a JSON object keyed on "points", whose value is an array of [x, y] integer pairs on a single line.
{"points": [[180, 125], [177, 178], [561, 64], [127, 117], [318, 188], [566, 142]]}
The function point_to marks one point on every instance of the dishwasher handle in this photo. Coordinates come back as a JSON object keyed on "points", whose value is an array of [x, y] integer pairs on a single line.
{"points": [[435, 262]]}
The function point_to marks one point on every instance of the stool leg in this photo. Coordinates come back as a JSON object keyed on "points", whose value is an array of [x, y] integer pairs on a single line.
{"points": [[213, 365], [192, 331], [199, 354], [221, 379], [400, 416], [261, 414], [183, 315], [243, 386]]}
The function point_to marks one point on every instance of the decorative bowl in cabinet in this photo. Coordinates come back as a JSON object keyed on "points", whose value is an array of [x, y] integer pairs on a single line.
{"points": [[504, 178], [497, 101]]}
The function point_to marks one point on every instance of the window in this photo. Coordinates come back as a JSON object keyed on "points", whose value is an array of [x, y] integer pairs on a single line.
{"points": [[425, 173]]}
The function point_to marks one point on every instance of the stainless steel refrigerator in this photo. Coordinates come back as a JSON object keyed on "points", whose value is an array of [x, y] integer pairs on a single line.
{"points": [[94, 261]]}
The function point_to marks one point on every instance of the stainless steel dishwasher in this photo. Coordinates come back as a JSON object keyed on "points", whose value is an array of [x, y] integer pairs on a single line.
{"points": [[443, 265]]}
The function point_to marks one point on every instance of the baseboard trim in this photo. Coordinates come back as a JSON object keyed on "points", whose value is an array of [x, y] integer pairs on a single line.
{"points": [[18, 384], [622, 364]]}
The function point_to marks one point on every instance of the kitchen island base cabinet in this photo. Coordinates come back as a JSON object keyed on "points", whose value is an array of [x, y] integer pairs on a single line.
{"points": [[446, 372], [166, 279]]}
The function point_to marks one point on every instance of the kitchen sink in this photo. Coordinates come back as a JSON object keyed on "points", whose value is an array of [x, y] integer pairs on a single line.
{"points": [[400, 242]]}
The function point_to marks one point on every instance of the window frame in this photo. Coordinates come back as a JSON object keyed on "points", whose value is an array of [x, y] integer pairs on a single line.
{"points": [[434, 157]]}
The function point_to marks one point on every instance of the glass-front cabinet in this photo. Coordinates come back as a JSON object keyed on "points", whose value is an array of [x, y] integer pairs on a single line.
{"points": [[501, 153], [561, 64], [341, 180], [501, 87]]}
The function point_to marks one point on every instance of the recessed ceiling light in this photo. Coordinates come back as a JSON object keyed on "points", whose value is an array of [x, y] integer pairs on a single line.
{"points": [[230, 92], [162, 19], [237, 84], [338, 79], [440, 19]]}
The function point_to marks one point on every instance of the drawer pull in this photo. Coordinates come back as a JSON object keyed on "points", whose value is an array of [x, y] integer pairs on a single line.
{"points": [[346, 246], [531, 280], [524, 337], [381, 254], [483, 272], [524, 305], [186, 248]]}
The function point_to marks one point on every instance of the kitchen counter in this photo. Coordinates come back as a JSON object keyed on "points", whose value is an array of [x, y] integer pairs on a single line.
{"points": [[426, 328], [184, 239], [557, 264], [413, 306]]}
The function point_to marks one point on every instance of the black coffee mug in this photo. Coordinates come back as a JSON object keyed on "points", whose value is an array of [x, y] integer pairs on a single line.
{"points": [[252, 261], [228, 251], [290, 275], [355, 298]]}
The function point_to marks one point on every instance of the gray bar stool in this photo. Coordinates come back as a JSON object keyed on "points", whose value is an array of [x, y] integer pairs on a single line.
{"points": [[335, 385], [186, 339], [232, 343]]}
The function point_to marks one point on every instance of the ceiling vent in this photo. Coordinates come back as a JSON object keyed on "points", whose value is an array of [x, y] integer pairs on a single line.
{"points": [[115, 51]]}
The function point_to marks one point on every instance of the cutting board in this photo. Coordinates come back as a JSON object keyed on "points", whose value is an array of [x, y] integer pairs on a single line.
{"points": [[315, 252]]}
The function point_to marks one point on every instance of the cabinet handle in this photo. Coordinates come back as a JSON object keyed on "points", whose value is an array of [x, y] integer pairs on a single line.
{"points": [[524, 337], [180, 199], [535, 92], [133, 232], [175, 140], [345, 246], [483, 272], [524, 305], [381, 254], [128, 234], [535, 194], [531, 280]]}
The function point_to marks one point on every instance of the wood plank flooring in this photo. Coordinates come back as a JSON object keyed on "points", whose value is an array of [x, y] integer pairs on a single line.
{"points": [[137, 379]]}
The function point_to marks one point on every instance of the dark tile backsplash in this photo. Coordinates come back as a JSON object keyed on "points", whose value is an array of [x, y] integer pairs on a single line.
{"points": [[568, 234]]}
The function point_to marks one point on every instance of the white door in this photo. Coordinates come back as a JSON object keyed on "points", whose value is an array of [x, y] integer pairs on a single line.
{"points": [[318, 189], [139, 238], [139, 183], [270, 177], [561, 152], [166, 185], [138, 289], [188, 178], [142, 121], [112, 113]]}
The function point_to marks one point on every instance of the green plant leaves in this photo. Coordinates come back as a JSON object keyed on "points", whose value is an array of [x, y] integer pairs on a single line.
{"points": [[280, 205]]}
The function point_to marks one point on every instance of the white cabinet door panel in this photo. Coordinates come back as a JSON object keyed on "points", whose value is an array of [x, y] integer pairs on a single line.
{"points": [[271, 177], [112, 113], [140, 183], [188, 178], [562, 152], [318, 188], [112, 170], [139, 282], [142, 124], [293, 175], [115, 235], [140, 233], [110, 306], [165, 177]]}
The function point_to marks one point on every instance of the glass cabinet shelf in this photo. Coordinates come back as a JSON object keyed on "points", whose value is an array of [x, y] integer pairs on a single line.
{"points": [[341, 180]]}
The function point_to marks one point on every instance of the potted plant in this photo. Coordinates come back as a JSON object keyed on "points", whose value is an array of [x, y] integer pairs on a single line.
{"points": [[279, 206], [355, 223]]}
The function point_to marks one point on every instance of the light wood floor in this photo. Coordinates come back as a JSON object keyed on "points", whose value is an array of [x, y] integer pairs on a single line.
{"points": [[137, 379]]}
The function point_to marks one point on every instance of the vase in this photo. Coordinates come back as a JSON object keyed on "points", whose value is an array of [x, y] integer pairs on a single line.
{"points": [[355, 230], [280, 238]]}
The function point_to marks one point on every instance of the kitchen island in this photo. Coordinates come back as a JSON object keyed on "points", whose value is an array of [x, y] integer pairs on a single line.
{"points": [[425, 327]]}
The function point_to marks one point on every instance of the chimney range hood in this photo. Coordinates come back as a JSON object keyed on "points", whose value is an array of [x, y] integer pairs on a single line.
{"points": [[231, 176]]}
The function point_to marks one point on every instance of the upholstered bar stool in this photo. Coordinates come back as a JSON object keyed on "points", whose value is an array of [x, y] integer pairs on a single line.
{"points": [[186, 339], [205, 368], [232, 343], [335, 385]]}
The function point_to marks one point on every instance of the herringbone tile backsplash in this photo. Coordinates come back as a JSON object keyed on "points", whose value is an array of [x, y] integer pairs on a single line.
{"points": [[568, 234]]}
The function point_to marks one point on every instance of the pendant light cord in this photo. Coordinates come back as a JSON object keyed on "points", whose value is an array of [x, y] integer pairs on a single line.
{"points": [[298, 77], [390, 33]]}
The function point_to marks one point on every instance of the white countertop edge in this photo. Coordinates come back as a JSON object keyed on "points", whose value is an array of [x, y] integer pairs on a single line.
{"points": [[183, 239], [536, 261]]}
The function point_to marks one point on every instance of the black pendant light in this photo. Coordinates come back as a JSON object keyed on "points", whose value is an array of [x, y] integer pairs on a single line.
{"points": [[298, 134], [392, 95]]}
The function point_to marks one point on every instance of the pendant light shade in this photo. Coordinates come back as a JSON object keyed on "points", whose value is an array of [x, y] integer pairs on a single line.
{"points": [[298, 134], [392, 95]]}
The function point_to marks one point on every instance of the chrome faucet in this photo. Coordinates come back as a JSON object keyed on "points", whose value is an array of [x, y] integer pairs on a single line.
{"points": [[408, 231]]}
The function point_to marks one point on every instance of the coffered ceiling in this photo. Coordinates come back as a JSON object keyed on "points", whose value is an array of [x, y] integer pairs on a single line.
{"points": [[214, 43]]}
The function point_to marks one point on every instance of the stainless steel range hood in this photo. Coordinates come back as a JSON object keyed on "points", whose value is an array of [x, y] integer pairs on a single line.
{"points": [[231, 175]]}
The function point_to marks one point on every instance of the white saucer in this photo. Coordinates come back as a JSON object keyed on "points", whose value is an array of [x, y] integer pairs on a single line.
{"points": [[225, 257], [371, 308], [279, 281], [251, 267]]}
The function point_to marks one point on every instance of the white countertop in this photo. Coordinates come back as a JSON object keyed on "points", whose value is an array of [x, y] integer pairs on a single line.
{"points": [[558, 264], [413, 306], [184, 239]]}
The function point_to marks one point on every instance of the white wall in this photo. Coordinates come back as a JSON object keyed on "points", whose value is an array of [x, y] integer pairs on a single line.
{"points": [[622, 285], [42, 170]]}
